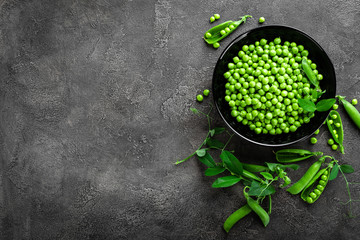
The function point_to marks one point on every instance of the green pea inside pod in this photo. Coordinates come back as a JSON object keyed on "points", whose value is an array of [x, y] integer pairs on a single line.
{"points": [[316, 186], [222, 30], [335, 126]]}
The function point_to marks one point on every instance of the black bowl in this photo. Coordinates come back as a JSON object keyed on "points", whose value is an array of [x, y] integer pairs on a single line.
{"points": [[316, 54]]}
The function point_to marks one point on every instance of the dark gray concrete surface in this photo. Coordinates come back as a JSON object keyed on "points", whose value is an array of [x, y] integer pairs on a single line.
{"points": [[95, 99]]}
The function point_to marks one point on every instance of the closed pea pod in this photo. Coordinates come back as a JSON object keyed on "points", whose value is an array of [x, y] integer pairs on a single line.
{"points": [[255, 206], [306, 178], [336, 128], [294, 155], [351, 110], [236, 216], [254, 168]]}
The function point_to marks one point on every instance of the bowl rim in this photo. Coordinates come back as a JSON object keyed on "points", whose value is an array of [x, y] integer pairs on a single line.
{"points": [[224, 52]]}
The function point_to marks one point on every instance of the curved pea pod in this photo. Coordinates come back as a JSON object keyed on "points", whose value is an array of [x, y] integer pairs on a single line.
{"points": [[306, 178], [254, 168], [214, 33], [316, 186], [255, 206], [294, 155], [336, 129], [309, 72], [236, 216], [351, 110]]}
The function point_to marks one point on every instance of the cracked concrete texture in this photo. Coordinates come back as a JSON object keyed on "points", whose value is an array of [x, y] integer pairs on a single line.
{"points": [[94, 112]]}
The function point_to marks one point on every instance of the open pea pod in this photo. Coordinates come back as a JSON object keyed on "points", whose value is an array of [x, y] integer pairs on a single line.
{"points": [[335, 126], [316, 186], [294, 155], [306, 178], [215, 32]]}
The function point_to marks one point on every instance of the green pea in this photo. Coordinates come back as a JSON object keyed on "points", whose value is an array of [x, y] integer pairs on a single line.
{"points": [[322, 182], [335, 106], [208, 35], [313, 195], [222, 32], [216, 45], [334, 147], [217, 16], [227, 30], [354, 102], [320, 187], [206, 92], [331, 141], [261, 20], [199, 98], [212, 19], [317, 192], [324, 177], [313, 140], [309, 200]]}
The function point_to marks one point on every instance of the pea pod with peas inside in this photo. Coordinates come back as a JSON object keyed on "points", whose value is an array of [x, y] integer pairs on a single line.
{"points": [[351, 110], [316, 186], [306, 178], [222, 30], [336, 128]]}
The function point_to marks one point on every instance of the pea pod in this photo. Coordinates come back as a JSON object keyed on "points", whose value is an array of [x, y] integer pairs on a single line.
{"points": [[306, 178], [294, 155], [250, 175], [236, 216], [309, 72], [213, 35], [316, 186], [254, 168], [255, 206], [351, 110], [336, 128]]}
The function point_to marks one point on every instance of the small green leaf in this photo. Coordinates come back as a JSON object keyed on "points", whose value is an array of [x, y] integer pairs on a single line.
{"points": [[207, 160], [194, 110], [260, 190], [212, 171], [219, 130], [307, 105], [201, 152], [214, 143], [212, 132], [325, 104], [231, 162], [267, 175], [334, 172], [345, 168], [227, 181]]}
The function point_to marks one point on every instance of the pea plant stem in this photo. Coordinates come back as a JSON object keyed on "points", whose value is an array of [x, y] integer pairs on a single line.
{"points": [[349, 194]]}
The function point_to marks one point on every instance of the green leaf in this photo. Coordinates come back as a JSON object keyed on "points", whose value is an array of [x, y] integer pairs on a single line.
{"points": [[212, 171], [345, 168], [260, 190], [267, 175], [227, 181], [201, 152], [194, 110], [231, 162], [219, 130], [214, 143], [334, 172], [207, 160], [212, 132], [325, 104], [273, 166], [307, 105]]}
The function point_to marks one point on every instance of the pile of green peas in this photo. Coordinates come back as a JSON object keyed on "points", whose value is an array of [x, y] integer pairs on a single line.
{"points": [[263, 84]]}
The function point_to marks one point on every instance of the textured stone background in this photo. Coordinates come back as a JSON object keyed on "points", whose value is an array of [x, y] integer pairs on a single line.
{"points": [[94, 112]]}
